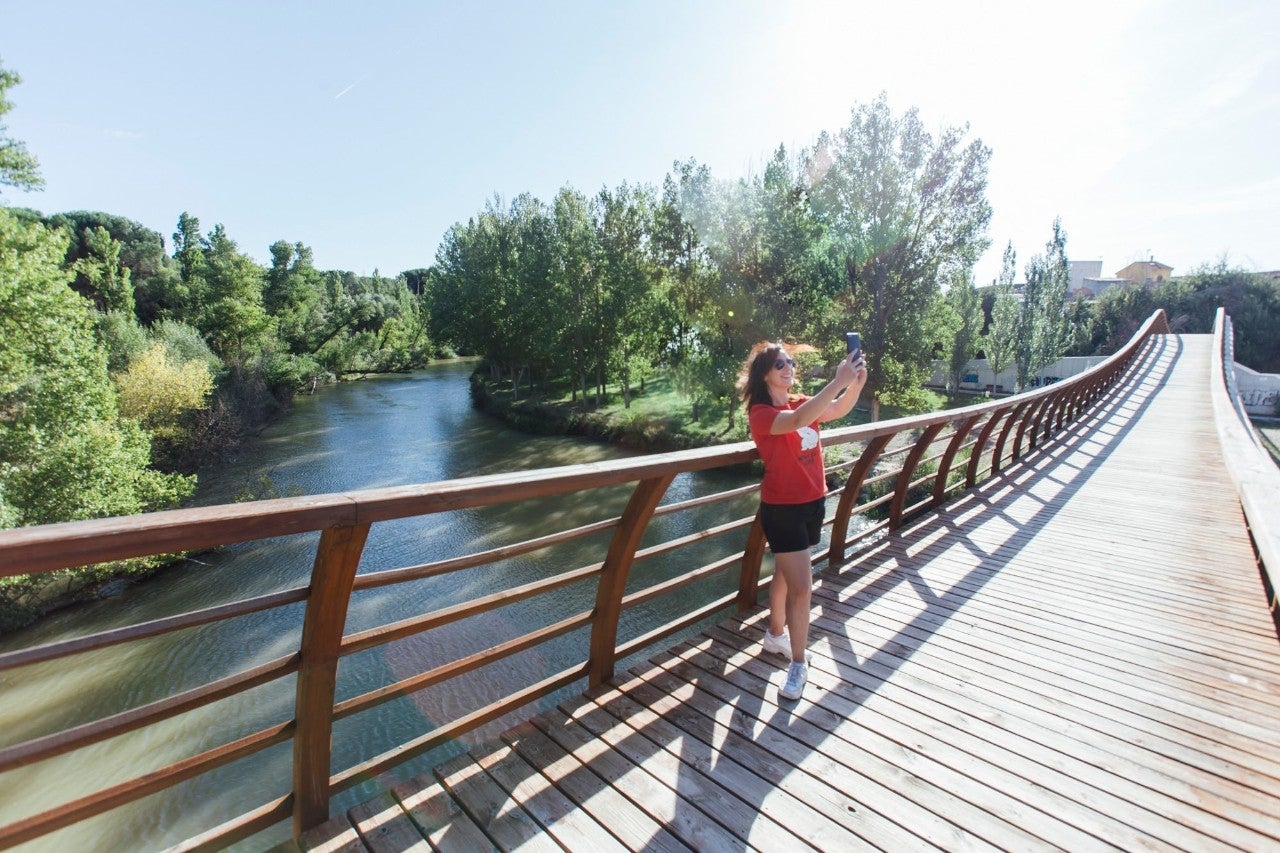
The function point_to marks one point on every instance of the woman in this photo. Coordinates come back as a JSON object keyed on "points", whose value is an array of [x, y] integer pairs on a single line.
{"points": [[784, 427]]}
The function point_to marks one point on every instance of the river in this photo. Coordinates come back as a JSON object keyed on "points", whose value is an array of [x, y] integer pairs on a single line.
{"points": [[383, 431]]}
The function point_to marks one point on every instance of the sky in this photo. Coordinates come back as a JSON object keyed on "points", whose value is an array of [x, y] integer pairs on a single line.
{"points": [[365, 130]]}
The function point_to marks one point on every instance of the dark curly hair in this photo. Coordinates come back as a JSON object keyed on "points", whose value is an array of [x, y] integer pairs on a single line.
{"points": [[751, 384]]}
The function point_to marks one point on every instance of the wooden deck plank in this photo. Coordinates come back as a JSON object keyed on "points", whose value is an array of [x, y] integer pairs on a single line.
{"points": [[881, 793], [683, 819], [489, 806], [719, 750], [438, 816], [959, 666], [631, 825], [713, 796], [1184, 710], [385, 827], [1076, 654], [335, 835], [1032, 727], [895, 745], [557, 814]]}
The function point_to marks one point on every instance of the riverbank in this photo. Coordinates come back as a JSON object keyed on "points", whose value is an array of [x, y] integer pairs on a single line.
{"points": [[658, 418]]}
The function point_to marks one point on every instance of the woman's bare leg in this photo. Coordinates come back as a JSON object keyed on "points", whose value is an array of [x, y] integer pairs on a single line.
{"points": [[777, 603], [796, 570]]}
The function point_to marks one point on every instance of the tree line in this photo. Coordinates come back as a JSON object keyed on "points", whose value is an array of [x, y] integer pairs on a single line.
{"points": [[874, 228], [862, 231]]}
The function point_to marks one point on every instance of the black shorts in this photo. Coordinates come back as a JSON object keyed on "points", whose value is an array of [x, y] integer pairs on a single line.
{"points": [[792, 527]]}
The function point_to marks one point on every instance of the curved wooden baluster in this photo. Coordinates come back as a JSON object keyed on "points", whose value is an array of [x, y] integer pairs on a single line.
{"points": [[908, 471], [613, 580], [1032, 411], [944, 466], [337, 558], [849, 497], [749, 576], [1004, 435], [975, 455]]}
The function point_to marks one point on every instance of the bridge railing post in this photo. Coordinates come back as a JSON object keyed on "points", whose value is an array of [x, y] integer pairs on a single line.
{"points": [[337, 558], [903, 485], [849, 497], [944, 465], [749, 575], [617, 567]]}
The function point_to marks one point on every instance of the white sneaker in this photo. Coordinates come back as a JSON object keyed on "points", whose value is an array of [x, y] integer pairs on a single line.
{"points": [[779, 645], [797, 675]]}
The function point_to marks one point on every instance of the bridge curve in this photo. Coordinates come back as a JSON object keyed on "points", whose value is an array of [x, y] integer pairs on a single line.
{"points": [[1059, 636]]}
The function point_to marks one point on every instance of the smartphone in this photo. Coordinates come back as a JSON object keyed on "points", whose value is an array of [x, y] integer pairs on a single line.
{"points": [[853, 341]]}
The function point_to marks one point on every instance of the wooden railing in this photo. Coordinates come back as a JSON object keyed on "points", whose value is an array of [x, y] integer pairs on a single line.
{"points": [[913, 462], [1256, 477]]}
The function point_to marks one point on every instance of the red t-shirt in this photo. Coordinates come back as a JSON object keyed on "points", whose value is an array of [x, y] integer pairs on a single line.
{"points": [[793, 472]]}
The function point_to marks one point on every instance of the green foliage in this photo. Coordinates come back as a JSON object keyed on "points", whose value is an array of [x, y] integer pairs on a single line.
{"points": [[183, 343], [66, 453], [18, 167], [99, 274], [965, 309], [1002, 332], [1042, 331], [231, 314], [123, 338], [903, 211]]}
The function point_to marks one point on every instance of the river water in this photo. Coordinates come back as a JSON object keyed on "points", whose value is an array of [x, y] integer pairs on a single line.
{"points": [[384, 431]]}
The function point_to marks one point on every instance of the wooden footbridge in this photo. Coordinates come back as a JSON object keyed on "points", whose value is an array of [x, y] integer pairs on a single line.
{"points": [[1058, 637]]}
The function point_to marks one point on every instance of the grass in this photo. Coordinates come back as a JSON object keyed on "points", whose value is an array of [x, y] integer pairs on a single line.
{"points": [[659, 417]]}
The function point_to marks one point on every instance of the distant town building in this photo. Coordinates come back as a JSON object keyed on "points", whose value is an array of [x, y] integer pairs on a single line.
{"points": [[1146, 273], [1087, 282]]}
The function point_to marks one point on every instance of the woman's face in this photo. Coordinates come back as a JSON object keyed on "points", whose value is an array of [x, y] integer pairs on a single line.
{"points": [[782, 372]]}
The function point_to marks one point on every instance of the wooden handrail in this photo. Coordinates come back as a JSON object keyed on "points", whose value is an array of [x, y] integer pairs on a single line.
{"points": [[344, 521]]}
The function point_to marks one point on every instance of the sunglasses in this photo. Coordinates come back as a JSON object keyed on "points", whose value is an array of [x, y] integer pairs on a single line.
{"points": [[784, 362]]}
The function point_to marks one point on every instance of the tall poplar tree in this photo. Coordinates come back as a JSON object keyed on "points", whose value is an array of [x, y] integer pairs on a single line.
{"points": [[1042, 323], [1002, 334], [963, 299]]}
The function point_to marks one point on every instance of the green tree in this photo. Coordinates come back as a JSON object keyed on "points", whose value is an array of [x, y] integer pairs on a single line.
{"points": [[293, 294], [231, 314], [721, 316], [100, 275], [1251, 300], [18, 167], [189, 295], [123, 337], [576, 266], [631, 337], [65, 453], [1043, 335], [1002, 332], [683, 258], [966, 305], [904, 210], [153, 276]]}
